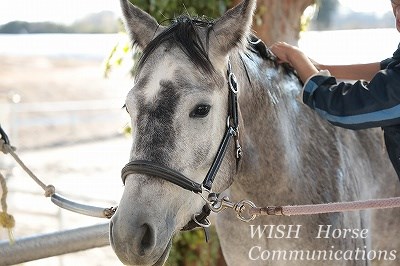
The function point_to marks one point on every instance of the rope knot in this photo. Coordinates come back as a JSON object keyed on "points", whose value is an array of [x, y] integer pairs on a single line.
{"points": [[6, 148], [49, 191], [7, 220]]}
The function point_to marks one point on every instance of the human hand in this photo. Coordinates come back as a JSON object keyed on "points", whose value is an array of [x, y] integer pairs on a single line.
{"points": [[285, 52], [292, 55]]}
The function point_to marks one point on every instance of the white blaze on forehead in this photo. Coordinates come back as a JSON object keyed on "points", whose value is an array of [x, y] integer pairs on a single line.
{"points": [[162, 70]]}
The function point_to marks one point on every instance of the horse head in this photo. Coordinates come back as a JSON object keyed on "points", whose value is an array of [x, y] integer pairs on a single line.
{"points": [[178, 108]]}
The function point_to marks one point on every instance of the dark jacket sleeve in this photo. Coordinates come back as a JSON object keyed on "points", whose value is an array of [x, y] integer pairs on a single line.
{"points": [[356, 106]]}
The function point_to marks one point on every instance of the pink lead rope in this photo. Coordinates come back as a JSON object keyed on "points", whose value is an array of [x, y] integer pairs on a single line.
{"points": [[327, 208]]}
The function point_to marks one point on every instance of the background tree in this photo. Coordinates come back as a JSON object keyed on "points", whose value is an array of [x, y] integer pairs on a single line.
{"points": [[164, 10], [279, 20], [274, 19], [326, 9]]}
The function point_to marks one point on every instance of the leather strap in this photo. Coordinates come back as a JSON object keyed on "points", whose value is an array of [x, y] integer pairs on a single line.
{"points": [[209, 180], [201, 218], [231, 131], [163, 172]]}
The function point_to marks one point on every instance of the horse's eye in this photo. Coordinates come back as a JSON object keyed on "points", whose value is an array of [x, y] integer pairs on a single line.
{"points": [[200, 111]]}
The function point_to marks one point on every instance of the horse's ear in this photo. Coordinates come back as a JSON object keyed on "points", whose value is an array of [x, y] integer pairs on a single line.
{"points": [[141, 26], [233, 27]]}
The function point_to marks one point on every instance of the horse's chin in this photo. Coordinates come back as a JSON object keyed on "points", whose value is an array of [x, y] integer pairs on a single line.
{"points": [[165, 254], [160, 262]]}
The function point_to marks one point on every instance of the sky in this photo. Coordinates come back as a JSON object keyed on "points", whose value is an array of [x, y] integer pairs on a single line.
{"points": [[63, 11], [67, 11]]}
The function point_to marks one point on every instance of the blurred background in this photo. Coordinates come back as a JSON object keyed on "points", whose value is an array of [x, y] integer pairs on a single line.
{"points": [[65, 68]]}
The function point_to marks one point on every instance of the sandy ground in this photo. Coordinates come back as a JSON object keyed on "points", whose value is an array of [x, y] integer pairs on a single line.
{"points": [[82, 160], [37, 82], [39, 79]]}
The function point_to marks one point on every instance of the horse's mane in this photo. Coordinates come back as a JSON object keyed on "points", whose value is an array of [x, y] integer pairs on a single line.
{"points": [[258, 47], [184, 32]]}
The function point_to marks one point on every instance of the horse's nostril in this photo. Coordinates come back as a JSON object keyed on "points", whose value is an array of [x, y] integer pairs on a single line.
{"points": [[147, 241]]}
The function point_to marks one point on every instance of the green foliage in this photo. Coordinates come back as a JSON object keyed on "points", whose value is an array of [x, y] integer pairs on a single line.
{"points": [[167, 9], [190, 248], [307, 16], [119, 53]]}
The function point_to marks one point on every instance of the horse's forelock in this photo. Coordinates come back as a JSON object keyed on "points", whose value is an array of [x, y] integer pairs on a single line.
{"points": [[186, 33]]}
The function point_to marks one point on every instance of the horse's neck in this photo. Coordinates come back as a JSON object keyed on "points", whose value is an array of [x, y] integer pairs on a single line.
{"points": [[272, 118], [290, 154]]}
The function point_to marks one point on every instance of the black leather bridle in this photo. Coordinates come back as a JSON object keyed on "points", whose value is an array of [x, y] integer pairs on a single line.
{"points": [[170, 175]]}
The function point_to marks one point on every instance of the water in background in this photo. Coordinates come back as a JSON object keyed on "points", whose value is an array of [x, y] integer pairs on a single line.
{"points": [[85, 46], [331, 47], [350, 46]]}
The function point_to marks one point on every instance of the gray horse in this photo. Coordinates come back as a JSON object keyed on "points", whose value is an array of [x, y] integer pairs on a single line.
{"points": [[179, 106]]}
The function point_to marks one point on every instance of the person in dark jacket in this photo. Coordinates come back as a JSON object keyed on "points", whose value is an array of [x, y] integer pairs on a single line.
{"points": [[372, 101]]}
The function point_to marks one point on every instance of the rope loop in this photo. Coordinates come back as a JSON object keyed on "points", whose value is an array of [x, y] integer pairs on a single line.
{"points": [[49, 191], [6, 148]]}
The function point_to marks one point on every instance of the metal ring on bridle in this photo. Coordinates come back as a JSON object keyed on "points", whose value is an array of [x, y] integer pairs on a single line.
{"points": [[255, 42], [233, 83], [228, 122], [206, 223]]}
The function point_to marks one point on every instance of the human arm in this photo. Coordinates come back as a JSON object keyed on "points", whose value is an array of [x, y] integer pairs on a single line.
{"points": [[305, 67], [352, 72], [354, 106]]}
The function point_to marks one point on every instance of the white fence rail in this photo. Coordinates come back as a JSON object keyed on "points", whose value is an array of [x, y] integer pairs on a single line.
{"points": [[54, 244], [67, 106], [76, 119]]}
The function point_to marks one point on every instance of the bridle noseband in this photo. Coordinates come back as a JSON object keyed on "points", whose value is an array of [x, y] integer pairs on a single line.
{"points": [[170, 175]]}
